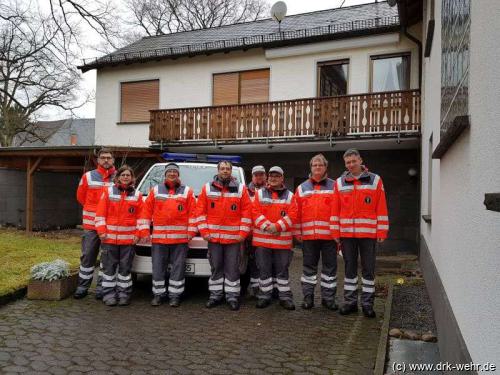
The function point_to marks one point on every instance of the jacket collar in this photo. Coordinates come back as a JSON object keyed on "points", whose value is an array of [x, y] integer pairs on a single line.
{"points": [[106, 173], [350, 178], [219, 184], [321, 182]]}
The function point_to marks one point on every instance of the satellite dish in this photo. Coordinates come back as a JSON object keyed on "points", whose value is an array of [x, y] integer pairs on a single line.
{"points": [[278, 11]]}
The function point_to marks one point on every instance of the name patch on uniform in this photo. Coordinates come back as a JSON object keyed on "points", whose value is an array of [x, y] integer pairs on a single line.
{"points": [[368, 200], [234, 207], [131, 210], [180, 207]]}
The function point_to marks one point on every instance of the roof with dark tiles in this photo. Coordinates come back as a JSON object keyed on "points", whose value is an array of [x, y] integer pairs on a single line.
{"points": [[295, 29]]}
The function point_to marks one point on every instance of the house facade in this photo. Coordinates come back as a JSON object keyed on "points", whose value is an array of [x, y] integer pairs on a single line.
{"points": [[460, 236], [324, 82]]}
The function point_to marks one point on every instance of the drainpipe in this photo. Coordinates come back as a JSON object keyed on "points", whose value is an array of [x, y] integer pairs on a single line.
{"points": [[405, 32]]}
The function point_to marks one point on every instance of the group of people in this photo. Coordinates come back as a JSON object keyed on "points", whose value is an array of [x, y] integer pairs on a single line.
{"points": [[325, 215]]}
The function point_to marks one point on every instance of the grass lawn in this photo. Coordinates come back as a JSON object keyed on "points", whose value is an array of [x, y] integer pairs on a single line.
{"points": [[19, 252]]}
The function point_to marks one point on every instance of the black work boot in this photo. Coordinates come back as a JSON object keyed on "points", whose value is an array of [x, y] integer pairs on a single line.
{"points": [[110, 301], [287, 304], [174, 302], [212, 303], [308, 302], [124, 301], [368, 312], [330, 304], [234, 305], [79, 294], [156, 301], [262, 303], [348, 309]]}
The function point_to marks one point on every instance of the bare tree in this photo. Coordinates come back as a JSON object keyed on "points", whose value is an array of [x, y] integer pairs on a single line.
{"points": [[39, 52], [156, 17]]}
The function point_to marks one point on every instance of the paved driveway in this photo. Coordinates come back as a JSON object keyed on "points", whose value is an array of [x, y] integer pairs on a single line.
{"points": [[86, 337]]}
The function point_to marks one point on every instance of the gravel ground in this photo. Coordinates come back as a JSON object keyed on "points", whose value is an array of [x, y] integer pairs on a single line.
{"points": [[411, 309]]}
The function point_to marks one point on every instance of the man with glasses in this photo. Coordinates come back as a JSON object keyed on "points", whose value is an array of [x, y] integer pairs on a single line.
{"points": [[318, 228], [90, 189]]}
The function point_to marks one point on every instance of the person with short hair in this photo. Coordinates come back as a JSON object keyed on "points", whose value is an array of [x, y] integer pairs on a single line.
{"points": [[317, 227], [274, 213], [170, 207], [363, 217], [88, 194], [259, 181], [223, 215], [116, 223]]}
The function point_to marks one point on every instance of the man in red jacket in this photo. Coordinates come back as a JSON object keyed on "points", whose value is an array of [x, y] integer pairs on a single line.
{"points": [[259, 180], [363, 222], [274, 213], [223, 215], [170, 206], [88, 195], [317, 227]]}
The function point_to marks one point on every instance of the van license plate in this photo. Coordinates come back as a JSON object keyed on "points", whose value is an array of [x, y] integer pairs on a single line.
{"points": [[189, 268]]}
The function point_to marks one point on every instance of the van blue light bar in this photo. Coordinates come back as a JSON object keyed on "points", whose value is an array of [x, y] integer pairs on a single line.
{"points": [[218, 158], [175, 156]]}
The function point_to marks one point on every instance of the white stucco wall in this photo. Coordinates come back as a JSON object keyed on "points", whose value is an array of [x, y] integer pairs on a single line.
{"points": [[465, 237], [187, 82]]}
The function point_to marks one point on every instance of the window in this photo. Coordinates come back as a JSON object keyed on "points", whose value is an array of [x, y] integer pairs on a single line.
{"points": [[333, 78], [250, 86], [137, 99], [390, 73]]}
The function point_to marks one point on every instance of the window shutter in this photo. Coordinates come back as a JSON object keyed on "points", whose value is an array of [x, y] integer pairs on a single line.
{"points": [[254, 86], [225, 89], [137, 99]]}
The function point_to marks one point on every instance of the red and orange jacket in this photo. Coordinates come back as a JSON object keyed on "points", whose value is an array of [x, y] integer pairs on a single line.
{"points": [[362, 206], [224, 211], [172, 210], [89, 191], [317, 214], [117, 215], [277, 207]]}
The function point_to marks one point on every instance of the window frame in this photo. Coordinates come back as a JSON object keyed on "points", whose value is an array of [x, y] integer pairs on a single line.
{"points": [[319, 64], [120, 114], [239, 84], [388, 56]]}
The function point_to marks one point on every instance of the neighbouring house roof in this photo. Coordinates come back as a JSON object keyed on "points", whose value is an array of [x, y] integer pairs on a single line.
{"points": [[295, 29], [58, 133]]}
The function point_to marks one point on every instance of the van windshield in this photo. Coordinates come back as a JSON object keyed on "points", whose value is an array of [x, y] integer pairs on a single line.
{"points": [[192, 175]]}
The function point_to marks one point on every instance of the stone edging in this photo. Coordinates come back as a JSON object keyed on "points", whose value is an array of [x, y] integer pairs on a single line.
{"points": [[13, 296], [384, 333]]}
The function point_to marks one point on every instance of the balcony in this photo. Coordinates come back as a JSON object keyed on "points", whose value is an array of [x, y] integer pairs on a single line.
{"points": [[372, 115]]}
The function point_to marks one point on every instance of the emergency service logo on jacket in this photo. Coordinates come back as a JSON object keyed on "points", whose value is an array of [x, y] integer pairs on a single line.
{"points": [[233, 207], [283, 213], [131, 210], [368, 200], [180, 207]]}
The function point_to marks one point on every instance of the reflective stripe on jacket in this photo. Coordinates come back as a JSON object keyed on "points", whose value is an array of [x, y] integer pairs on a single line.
{"points": [[171, 210], [117, 215], [317, 214], [274, 207], [362, 206], [91, 186], [224, 213]]}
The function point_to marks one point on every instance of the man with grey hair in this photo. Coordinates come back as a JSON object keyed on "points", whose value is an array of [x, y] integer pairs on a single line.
{"points": [[362, 210], [317, 226]]}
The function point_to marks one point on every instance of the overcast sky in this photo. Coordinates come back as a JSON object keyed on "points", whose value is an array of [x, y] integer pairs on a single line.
{"points": [[294, 7]]}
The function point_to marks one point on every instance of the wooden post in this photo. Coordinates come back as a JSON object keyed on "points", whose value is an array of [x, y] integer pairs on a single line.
{"points": [[30, 170]]}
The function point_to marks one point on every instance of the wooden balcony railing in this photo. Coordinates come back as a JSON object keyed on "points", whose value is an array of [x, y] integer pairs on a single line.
{"points": [[387, 113]]}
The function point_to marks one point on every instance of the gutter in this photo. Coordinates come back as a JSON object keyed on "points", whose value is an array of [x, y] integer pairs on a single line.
{"points": [[405, 32]]}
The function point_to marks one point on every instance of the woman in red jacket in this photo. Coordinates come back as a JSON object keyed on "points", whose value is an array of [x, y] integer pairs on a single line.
{"points": [[116, 224]]}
